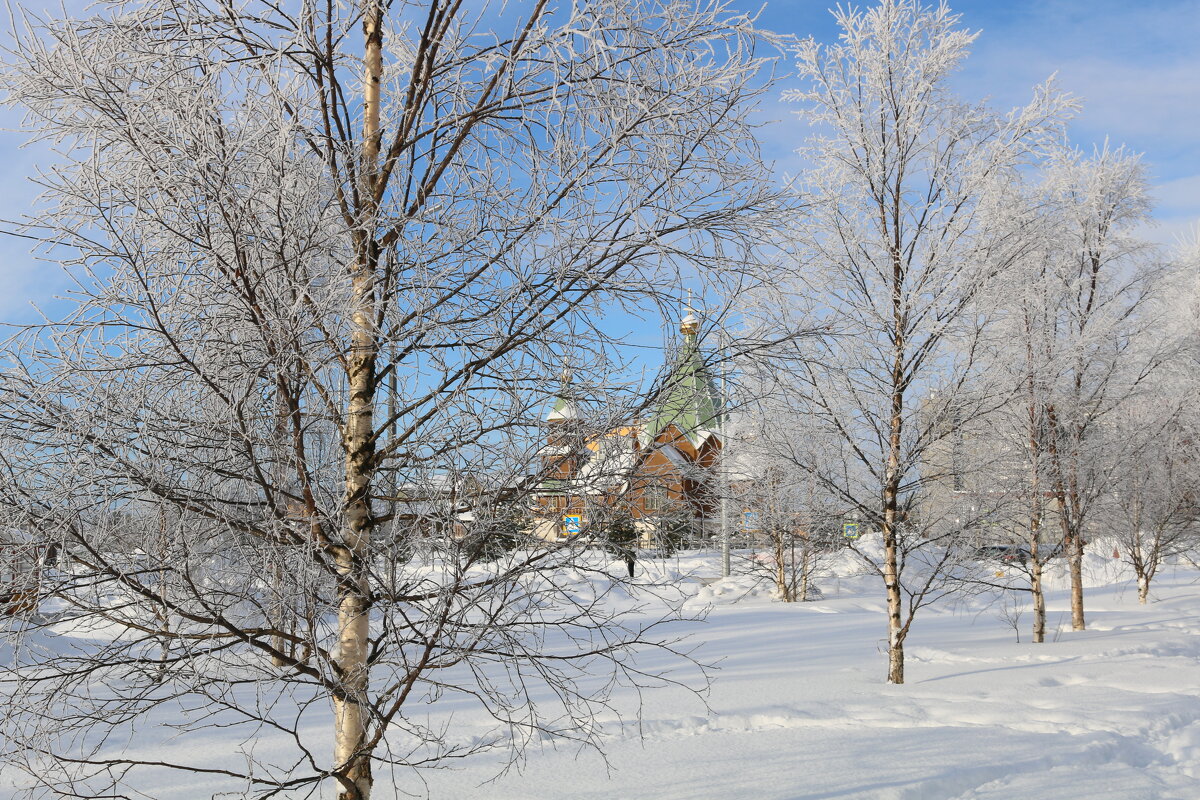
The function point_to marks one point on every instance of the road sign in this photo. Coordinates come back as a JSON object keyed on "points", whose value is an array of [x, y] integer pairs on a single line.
{"points": [[850, 530], [750, 521], [573, 523]]}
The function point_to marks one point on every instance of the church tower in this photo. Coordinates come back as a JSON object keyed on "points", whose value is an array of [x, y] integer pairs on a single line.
{"points": [[682, 441], [563, 424], [565, 410], [557, 507], [689, 401], [661, 469]]}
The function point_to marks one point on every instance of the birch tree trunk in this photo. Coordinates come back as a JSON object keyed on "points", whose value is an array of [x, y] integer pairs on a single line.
{"points": [[351, 755], [1073, 539], [783, 580], [1065, 493], [414, 260], [1075, 551], [1035, 561], [891, 566], [806, 568], [1034, 420], [1039, 599]]}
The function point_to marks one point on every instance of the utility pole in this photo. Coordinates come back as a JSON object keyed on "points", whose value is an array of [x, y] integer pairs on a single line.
{"points": [[722, 466]]}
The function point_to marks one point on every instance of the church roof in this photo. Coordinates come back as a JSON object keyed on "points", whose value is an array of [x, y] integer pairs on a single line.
{"points": [[690, 400], [563, 409]]}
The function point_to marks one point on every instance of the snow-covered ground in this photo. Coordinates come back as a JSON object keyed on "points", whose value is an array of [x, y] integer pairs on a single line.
{"points": [[798, 707]]}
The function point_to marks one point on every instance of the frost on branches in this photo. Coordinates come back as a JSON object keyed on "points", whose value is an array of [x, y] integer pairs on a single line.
{"points": [[330, 261], [909, 229]]}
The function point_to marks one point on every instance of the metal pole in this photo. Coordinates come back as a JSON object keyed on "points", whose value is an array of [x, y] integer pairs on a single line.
{"points": [[722, 466]]}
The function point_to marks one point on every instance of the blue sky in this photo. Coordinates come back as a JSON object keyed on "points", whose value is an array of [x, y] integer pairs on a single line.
{"points": [[1135, 64]]}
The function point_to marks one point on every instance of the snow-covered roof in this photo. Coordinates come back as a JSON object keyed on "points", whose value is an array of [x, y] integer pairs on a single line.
{"points": [[677, 459], [563, 409], [611, 460]]}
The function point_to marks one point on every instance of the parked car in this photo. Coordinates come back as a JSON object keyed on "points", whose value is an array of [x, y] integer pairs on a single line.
{"points": [[1004, 553]]}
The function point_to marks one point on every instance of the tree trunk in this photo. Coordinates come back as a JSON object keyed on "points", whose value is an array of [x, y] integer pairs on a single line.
{"points": [[1143, 583], [1035, 557], [352, 760], [895, 651], [277, 614], [1039, 600], [805, 570], [895, 628], [891, 565], [1035, 512], [891, 498], [1075, 553], [277, 611], [781, 572], [1072, 523], [161, 615]]}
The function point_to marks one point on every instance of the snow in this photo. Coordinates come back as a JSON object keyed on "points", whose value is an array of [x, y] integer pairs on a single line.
{"points": [[797, 707]]}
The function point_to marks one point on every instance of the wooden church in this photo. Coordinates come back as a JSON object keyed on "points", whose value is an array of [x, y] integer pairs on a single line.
{"points": [[659, 471]]}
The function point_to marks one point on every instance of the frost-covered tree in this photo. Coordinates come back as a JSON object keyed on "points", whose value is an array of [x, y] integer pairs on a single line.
{"points": [[1067, 350], [1095, 308], [908, 230], [329, 261], [1015, 351], [1154, 504], [789, 524]]}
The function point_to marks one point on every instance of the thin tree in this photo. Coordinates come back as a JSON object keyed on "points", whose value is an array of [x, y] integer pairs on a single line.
{"points": [[1070, 340], [1153, 437], [1100, 282], [908, 230], [330, 259], [788, 521]]}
